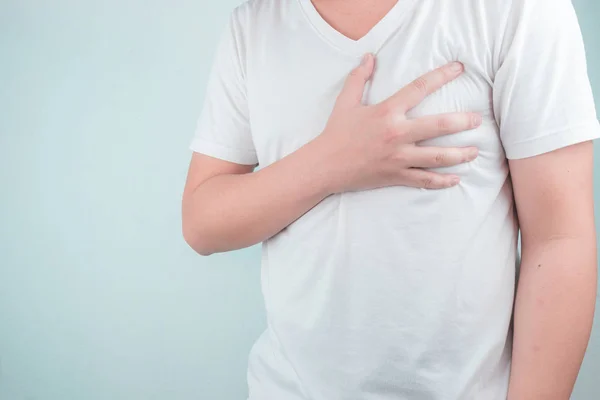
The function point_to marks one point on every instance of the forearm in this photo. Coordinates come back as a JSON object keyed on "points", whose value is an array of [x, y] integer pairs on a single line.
{"points": [[553, 316], [229, 212]]}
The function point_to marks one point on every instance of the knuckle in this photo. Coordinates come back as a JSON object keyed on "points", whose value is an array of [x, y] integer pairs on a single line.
{"points": [[384, 110], [440, 158], [427, 182], [356, 73], [421, 84], [396, 129], [473, 120], [401, 158], [390, 129], [444, 124], [405, 131]]}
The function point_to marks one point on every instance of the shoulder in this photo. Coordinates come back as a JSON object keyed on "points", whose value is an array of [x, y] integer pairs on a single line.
{"points": [[257, 21], [512, 24], [254, 11], [502, 13], [543, 13]]}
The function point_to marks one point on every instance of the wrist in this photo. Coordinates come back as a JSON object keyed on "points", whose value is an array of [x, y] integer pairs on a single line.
{"points": [[325, 166]]}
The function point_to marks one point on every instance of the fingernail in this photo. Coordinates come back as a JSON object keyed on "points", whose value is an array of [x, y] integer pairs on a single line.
{"points": [[365, 59], [455, 181], [456, 67], [473, 153], [477, 119]]}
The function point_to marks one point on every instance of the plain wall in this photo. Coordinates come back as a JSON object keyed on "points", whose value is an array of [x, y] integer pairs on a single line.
{"points": [[100, 298]]}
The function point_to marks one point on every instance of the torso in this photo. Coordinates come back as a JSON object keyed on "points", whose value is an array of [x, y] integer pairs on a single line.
{"points": [[395, 292]]}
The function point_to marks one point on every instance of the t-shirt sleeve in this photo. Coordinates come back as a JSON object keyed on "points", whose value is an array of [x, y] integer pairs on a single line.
{"points": [[223, 128], [542, 94]]}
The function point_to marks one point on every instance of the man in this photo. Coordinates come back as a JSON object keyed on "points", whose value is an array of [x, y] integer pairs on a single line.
{"points": [[389, 191]]}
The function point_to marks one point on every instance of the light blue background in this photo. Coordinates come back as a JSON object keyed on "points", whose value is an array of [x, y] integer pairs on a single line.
{"points": [[100, 298]]}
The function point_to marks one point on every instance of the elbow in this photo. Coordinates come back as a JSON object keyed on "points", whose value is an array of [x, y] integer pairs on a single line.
{"points": [[197, 239]]}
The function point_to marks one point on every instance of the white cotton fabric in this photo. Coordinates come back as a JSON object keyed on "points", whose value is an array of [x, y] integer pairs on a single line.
{"points": [[396, 293]]}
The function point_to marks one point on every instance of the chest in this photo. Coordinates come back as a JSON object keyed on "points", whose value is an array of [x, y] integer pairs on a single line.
{"points": [[294, 78]]}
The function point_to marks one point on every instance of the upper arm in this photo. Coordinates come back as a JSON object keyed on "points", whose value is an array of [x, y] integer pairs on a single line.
{"points": [[554, 194], [222, 143], [203, 167], [223, 129], [545, 110]]}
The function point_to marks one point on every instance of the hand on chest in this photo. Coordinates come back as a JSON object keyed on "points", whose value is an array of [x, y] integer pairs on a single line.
{"points": [[293, 98]]}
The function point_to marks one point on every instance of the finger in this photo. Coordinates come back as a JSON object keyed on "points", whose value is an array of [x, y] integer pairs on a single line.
{"points": [[354, 86], [419, 178], [415, 92], [439, 125], [434, 157]]}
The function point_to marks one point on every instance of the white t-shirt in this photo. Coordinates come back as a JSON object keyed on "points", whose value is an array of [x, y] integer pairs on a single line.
{"points": [[396, 293]]}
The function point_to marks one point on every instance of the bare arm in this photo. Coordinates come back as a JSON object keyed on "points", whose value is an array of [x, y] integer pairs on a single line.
{"points": [[226, 206], [234, 208], [557, 288]]}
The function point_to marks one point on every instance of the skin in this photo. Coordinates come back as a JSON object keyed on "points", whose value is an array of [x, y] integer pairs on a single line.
{"points": [[227, 206]]}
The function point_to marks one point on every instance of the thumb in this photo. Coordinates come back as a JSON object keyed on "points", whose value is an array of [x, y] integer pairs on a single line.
{"points": [[354, 86]]}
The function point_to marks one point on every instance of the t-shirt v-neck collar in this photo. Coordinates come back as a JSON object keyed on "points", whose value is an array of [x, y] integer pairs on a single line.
{"points": [[372, 41]]}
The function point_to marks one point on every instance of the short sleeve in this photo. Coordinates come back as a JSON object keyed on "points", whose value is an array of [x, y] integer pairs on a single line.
{"points": [[542, 94], [223, 128]]}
